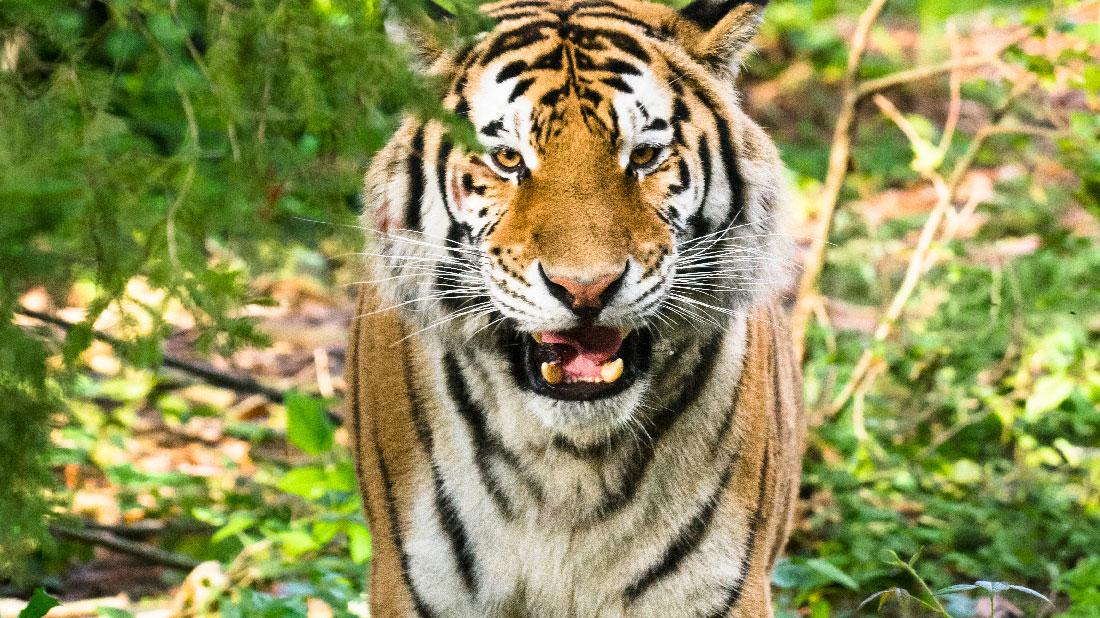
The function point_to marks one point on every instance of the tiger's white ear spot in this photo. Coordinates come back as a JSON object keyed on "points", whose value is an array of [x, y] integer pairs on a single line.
{"points": [[718, 33]]}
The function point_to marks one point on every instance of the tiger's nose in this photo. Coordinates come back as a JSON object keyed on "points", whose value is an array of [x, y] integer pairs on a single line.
{"points": [[586, 297]]}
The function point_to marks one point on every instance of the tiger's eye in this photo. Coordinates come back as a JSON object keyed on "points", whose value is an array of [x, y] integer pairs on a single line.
{"points": [[508, 159], [643, 155]]}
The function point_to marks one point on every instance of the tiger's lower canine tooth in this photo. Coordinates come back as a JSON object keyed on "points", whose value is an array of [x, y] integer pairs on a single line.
{"points": [[551, 372], [611, 371]]}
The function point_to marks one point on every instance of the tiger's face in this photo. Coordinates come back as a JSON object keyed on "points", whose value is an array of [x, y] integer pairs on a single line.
{"points": [[620, 202]]}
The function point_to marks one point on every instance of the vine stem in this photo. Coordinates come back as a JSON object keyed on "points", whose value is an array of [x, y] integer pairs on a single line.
{"points": [[908, 568]]}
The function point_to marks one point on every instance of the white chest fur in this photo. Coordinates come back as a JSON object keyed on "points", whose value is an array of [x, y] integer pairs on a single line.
{"points": [[536, 537]]}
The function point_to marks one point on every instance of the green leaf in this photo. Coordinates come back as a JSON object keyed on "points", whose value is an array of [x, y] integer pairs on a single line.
{"points": [[307, 482], [1027, 590], [114, 612], [39, 605], [832, 572], [238, 522], [1048, 394], [954, 589], [307, 427], [991, 587], [359, 545], [296, 542]]}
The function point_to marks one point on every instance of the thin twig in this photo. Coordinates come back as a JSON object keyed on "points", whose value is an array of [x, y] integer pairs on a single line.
{"points": [[919, 261], [150, 528], [834, 178], [840, 152], [170, 217], [203, 371], [148, 553], [917, 74]]}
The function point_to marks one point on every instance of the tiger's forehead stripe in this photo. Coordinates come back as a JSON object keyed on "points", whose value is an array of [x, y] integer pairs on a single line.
{"points": [[583, 55], [598, 45]]}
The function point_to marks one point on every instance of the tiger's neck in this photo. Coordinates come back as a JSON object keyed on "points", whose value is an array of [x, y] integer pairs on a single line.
{"points": [[487, 443]]}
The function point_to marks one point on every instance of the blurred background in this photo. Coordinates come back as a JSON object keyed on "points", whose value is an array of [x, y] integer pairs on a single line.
{"points": [[178, 199]]}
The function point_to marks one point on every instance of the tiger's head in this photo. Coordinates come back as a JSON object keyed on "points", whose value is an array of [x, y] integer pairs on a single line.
{"points": [[621, 201]]}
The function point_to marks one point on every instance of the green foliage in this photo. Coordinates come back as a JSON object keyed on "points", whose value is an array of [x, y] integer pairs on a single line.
{"points": [[979, 442], [178, 143], [27, 401], [930, 601], [1082, 584], [307, 426], [39, 605]]}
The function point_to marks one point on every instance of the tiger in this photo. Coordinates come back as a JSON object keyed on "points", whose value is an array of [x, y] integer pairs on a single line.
{"points": [[570, 384]]}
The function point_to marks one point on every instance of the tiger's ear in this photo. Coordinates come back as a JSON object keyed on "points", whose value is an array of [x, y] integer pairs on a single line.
{"points": [[427, 31], [717, 32]]}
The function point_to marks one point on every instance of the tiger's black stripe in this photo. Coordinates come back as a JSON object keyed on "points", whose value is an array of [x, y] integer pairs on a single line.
{"points": [[681, 115], [685, 543], [637, 465], [449, 519], [594, 4], [415, 171], [620, 67], [455, 531], [626, 19], [356, 414], [494, 128], [684, 180], [517, 38], [520, 88], [475, 423], [523, 4], [445, 148], [623, 42], [396, 537], [618, 84], [502, 17], [447, 281], [704, 163], [737, 588], [728, 158], [510, 70]]}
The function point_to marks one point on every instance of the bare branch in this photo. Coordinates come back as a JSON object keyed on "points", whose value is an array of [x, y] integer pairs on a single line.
{"points": [[148, 553], [203, 371], [840, 152], [834, 177]]}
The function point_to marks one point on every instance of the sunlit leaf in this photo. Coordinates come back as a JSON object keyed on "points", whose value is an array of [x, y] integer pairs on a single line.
{"points": [[39, 605], [307, 426], [832, 572], [359, 543]]}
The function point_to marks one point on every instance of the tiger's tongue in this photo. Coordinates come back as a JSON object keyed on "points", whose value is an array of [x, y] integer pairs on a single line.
{"points": [[584, 350]]}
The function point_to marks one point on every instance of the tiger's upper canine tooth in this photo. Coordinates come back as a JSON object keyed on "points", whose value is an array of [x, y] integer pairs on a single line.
{"points": [[537, 337], [551, 372], [623, 332], [611, 371]]}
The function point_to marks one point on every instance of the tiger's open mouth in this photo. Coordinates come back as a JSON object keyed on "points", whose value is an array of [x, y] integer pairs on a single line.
{"points": [[581, 364]]}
